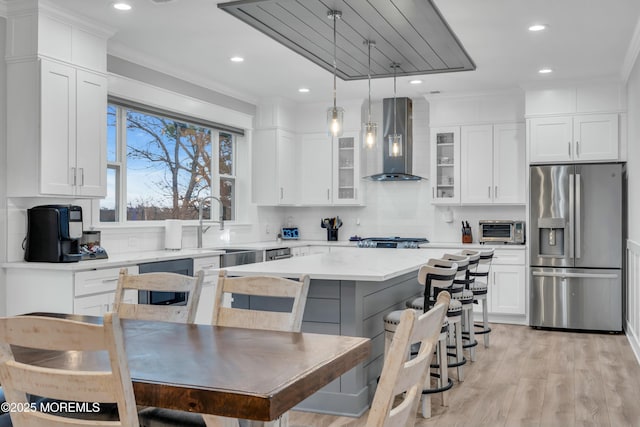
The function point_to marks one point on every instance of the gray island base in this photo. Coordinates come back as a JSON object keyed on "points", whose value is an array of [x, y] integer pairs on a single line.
{"points": [[343, 307]]}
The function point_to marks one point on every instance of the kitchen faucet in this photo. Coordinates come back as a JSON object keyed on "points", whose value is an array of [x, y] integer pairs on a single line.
{"points": [[201, 229]]}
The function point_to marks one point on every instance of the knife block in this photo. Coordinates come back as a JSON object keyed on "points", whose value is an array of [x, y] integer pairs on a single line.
{"points": [[467, 238]]}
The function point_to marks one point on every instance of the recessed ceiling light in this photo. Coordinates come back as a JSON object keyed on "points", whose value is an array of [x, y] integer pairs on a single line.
{"points": [[122, 6], [304, 90], [537, 27], [415, 82], [237, 59], [545, 70]]}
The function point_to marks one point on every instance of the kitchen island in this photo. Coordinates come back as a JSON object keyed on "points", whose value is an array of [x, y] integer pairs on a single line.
{"points": [[349, 294]]}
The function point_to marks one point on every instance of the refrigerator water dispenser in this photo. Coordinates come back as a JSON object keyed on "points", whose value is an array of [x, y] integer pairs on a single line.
{"points": [[551, 237]]}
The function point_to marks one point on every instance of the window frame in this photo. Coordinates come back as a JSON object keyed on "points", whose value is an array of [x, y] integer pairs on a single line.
{"points": [[119, 165]]}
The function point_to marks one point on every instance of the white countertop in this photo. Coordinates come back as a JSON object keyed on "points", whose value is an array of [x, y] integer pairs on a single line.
{"points": [[368, 264], [117, 260]]}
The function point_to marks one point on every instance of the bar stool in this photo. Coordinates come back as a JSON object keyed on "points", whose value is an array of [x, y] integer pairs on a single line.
{"points": [[468, 281], [480, 288], [429, 276], [464, 297]]}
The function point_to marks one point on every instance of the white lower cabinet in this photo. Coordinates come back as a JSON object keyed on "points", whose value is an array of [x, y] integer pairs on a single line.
{"points": [[300, 251], [507, 291], [210, 266], [99, 304], [506, 300], [94, 290]]}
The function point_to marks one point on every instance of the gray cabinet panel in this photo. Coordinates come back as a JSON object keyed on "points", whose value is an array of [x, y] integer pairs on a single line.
{"points": [[322, 310], [324, 289]]}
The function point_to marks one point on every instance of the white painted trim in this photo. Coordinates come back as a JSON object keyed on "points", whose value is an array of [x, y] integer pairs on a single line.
{"points": [[474, 94], [145, 93], [632, 54], [633, 248], [3, 8]]}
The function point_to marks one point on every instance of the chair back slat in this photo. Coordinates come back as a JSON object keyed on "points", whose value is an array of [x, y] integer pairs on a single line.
{"points": [[158, 282], [20, 378], [402, 378], [261, 286]]}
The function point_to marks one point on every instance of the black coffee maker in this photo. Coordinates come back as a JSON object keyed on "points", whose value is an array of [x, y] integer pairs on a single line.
{"points": [[53, 233]]}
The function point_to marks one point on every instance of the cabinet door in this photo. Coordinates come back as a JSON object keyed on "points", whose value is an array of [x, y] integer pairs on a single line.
{"points": [[346, 170], [91, 134], [476, 164], [57, 128], [445, 166], [508, 164], [550, 139], [287, 161], [596, 137], [507, 291], [315, 169], [93, 305]]}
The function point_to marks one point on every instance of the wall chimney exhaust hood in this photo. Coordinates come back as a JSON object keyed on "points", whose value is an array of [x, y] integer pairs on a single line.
{"points": [[397, 168], [410, 32]]}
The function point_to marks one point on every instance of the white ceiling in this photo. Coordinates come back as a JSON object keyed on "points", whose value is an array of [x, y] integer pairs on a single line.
{"points": [[193, 40]]}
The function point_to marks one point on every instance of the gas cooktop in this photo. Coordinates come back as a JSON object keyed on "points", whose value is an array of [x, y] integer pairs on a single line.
{"points": [[392, 242]]}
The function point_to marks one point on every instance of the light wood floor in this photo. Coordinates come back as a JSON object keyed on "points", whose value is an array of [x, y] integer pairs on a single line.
{"points": [[531, 377]]}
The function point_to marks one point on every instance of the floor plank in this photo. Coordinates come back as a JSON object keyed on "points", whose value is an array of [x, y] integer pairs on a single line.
{"points": [[531, 377]]}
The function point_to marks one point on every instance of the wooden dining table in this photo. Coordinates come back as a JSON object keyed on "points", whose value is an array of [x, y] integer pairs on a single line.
{"points": [[231, 372]]}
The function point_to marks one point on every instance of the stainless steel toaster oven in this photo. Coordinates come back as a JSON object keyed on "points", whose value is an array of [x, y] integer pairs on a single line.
{"points": [[510, 232]]}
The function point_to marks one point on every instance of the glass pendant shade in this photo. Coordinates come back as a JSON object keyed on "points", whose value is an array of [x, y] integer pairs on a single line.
{"points": [[335, 121], [370, 135], [395, 145]]}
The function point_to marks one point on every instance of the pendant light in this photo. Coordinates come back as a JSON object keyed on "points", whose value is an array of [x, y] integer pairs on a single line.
{"points": [[335, 115], [395, 139], [369, 129]]}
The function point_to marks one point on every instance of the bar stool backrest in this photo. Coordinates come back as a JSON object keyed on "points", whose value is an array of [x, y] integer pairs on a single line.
{"points": [[433, 277], [401, 378]]}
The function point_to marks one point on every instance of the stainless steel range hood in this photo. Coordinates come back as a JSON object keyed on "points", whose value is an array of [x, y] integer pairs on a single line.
{"points": [[397, 168]]}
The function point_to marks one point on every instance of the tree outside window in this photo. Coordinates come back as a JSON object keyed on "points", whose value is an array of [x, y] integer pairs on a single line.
{"points": [[169, 167]]}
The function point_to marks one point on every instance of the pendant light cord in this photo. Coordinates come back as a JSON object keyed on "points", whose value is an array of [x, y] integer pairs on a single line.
{"points": [[335, 65], [395, 103], [369, 77]]}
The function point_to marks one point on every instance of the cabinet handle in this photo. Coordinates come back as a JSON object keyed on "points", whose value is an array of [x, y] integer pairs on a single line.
{"points": [[281, 193], [577, 148], [569, 145], [495, 193], [328, 194], [355, 193], [433, 194], [115, 279], [489, 191]]}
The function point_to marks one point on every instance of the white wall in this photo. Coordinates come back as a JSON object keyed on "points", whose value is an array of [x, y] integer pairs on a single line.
{"points": [[633, 242]]}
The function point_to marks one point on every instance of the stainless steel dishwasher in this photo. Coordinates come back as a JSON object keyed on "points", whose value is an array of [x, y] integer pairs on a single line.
{"points": [[232, 257], [280, 253]]}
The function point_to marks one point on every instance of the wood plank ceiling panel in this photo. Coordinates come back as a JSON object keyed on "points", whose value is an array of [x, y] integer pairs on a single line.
{"points": [[409, 32]]}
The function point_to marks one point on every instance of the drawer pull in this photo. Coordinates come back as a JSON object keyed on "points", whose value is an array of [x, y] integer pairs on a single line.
{"points": [[110, 280]]}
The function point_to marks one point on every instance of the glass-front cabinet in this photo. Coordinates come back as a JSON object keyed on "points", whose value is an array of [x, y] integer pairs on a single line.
{"points": [[445, 165], [346, 179]]}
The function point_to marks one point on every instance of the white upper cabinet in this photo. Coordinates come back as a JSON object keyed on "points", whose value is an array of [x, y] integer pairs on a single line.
{"points": [[346, 170], [316, 172], [445, 165], [274, 167], [492, 160], [579, 138], [57, 89], [576, 124], [57, 137]]}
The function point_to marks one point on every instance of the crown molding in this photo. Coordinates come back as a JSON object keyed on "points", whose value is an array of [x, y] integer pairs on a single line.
{"points": [[632, 54]]}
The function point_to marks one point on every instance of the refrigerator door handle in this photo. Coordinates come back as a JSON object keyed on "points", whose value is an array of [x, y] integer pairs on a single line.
{"points": [[572, 208], [572, 275], [578, 229]]}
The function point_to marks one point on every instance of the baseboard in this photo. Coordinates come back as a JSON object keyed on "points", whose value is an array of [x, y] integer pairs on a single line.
{"points": [[633, 297], [632, 337]]}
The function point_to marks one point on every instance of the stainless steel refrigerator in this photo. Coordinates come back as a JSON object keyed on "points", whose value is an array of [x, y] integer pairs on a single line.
{"points": [[576, 250]]}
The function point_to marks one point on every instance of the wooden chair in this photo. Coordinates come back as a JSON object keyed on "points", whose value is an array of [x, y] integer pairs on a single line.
{"points": [[403, 379], [290, 321], [160, 282], [20, 379]]}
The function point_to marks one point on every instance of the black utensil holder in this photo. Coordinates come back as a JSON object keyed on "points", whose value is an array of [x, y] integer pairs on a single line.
{"points": [[332, 234]]}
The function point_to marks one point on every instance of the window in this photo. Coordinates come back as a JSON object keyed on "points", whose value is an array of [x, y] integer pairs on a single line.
{"points": [[160, 167]]}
